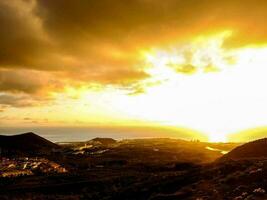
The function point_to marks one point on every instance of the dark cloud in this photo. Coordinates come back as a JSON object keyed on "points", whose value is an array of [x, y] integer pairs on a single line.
{"points": [[24, 88], [145, 20], [21, 35], [16, 100], [125, 24], [26, 81]]}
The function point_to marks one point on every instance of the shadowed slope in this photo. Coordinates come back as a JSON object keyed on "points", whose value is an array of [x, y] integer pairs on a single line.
{"points": [[26, 143], [254, 149]]}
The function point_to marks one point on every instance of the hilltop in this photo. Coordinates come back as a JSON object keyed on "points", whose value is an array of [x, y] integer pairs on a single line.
{"points": [[250, 150], [104, 141], [26, 143]]}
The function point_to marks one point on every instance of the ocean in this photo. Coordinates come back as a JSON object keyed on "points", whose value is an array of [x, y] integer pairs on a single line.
{"points": [[77, 134]]}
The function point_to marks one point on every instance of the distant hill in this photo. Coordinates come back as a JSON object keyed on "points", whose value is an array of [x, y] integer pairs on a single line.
{"points": [[104, 141], [254, 149], [26, 143]]}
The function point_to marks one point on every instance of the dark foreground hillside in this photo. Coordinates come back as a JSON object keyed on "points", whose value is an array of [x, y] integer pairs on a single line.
{"points": [[145, 169], [250, 150]]}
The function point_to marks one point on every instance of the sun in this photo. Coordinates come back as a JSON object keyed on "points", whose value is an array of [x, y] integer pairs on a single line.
{"points": [[213, 137]]}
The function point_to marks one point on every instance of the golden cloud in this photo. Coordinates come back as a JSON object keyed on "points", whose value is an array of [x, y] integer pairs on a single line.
{"points": [[46, 45]]}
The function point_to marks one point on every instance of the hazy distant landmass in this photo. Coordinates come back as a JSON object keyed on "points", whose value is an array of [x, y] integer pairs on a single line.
{"points": [[76, 134]]}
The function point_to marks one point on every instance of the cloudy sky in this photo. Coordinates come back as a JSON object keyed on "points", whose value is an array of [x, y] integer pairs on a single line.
{"points": [[198, 64]]}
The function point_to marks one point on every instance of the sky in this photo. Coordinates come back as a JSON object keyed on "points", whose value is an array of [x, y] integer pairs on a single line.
{"points": [[195, 64]]}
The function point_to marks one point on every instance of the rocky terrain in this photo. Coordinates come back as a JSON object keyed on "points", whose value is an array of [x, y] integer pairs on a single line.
{"points": [[154, 169]]}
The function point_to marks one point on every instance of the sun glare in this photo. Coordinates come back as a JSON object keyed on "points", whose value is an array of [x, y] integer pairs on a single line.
{"points": [[217, 137], [200, 85]]}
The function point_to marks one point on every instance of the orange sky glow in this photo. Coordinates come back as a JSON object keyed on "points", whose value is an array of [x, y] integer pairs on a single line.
{"points": [[197, 66]]}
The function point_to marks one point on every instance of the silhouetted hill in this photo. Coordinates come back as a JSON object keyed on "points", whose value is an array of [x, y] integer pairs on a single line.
{"points": [[26, 143], [104, 141], [254, 149]]}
